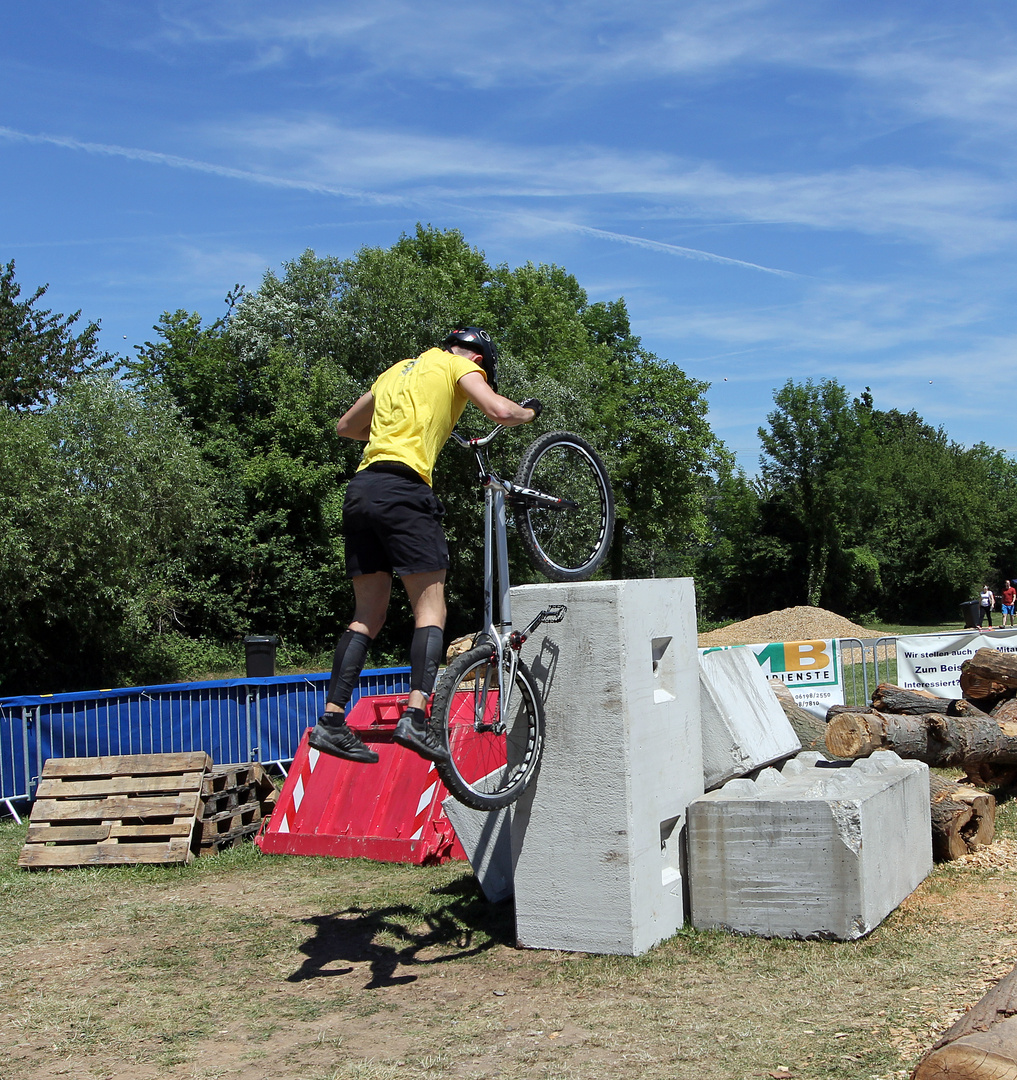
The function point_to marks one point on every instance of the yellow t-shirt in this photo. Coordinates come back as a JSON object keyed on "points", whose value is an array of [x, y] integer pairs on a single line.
{"points": [[416, 405]]}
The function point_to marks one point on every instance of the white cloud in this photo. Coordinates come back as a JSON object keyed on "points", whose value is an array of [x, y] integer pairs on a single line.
{"points": [[953, 210], [958, 67], [874, 331], [958, 213]]}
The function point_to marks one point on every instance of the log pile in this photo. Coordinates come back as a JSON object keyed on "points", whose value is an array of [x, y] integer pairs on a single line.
{"points": [[944, 733]]}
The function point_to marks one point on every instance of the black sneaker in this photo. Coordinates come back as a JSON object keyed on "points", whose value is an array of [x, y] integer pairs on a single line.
{"points": [[335, 738], [415, 733]]}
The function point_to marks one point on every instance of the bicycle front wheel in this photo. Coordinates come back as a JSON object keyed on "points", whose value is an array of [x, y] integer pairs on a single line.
{"points": [[494, 756], [567, 536]]}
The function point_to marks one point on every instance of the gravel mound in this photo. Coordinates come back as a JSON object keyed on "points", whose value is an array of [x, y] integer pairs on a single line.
{"points": [[790, 624]]}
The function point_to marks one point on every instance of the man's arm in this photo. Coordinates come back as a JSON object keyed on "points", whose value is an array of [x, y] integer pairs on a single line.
{"points": [[355, 423], [501, 410]]}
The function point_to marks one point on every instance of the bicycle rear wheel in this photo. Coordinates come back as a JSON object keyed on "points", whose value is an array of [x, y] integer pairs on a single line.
{"points": [[567, 541], [490, 764]]}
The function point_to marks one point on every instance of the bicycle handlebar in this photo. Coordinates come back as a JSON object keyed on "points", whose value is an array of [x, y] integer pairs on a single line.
{"points": [[478, 440], [483, 440]]}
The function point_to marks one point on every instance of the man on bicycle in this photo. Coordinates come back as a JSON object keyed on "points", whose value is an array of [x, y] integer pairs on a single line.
{"points": [[392, 522]]}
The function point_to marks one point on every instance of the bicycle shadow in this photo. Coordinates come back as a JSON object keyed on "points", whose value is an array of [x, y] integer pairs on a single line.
{"points": [[465, 926], [544, 665]]}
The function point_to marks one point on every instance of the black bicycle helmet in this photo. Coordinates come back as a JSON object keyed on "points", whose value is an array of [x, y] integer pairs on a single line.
{"points": [[478, 341]]}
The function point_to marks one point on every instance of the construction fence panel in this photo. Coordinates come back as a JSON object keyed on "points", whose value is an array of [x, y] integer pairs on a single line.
{"points": [[855, 658], [15, 761], [233, 721]]}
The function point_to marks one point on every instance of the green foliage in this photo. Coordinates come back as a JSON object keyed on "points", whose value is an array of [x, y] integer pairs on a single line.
{"points": [[812, 451], [858, 510], [38, 352], [264, 385], [104, 501]]}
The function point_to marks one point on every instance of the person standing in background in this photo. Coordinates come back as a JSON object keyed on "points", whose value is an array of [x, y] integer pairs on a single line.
{"points": [[986, 602], [1009, 597]]}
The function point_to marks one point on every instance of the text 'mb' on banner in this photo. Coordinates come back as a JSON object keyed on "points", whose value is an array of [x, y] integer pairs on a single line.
{"points": [[809, 669]]}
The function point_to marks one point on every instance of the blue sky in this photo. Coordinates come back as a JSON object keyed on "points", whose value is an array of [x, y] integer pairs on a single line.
{"points": [[778, 189]]}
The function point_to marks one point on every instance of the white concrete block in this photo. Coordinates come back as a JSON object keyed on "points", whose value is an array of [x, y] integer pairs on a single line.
{"points": [[487, 841], [813, 850], [744, 727], [596, 840]]}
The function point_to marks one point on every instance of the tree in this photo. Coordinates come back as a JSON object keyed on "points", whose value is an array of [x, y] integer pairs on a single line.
{"points": [[861, 510], [812, 452], [921, 497], [264, 385], [103, 499], [38, 352]]}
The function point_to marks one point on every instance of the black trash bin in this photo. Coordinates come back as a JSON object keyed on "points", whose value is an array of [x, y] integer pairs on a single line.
{"points": [[970, 614], [259, 651]]}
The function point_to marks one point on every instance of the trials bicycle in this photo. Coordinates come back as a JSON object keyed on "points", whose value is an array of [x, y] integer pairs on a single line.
{"points": [[486, 705]]}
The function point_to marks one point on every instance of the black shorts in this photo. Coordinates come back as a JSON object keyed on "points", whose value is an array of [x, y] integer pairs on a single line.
{"points": [[392, 523]]}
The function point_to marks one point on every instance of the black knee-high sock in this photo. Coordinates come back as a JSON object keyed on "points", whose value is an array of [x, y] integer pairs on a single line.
{"points": [[425, 656], [350, 654]]}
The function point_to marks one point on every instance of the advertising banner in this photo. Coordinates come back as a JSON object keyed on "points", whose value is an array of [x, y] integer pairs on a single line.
{"points": [[933, 661], [809, 669]]}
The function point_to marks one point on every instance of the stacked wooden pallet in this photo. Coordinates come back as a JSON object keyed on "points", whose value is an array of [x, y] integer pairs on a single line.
{"points": [[237, 798], [138, 808]]}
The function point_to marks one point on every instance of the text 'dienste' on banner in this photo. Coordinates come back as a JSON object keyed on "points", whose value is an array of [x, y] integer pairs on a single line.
{"points": [[809, 669]]}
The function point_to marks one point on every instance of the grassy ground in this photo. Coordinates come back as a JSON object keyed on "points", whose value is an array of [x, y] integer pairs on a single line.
{"points": [[256, 966], [881, 629]]}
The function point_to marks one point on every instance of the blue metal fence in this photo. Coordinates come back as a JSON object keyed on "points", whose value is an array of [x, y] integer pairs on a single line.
{"points": [[234, 721]]}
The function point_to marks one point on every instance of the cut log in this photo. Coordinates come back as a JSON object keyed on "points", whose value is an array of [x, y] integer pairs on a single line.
{"points": [[992, 664], [1005, 710], [984, 775], [811, 731], [982, 1045], [933, 738], [989, 677], [963, 819], [889, 698], [836, 710]]}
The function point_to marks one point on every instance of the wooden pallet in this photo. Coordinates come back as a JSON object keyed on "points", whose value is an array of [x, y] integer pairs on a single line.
{"points": [[101, 811], [237, 800]]}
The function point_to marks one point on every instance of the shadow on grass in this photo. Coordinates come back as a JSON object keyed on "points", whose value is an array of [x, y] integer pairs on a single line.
{"points": [[464, 925]]}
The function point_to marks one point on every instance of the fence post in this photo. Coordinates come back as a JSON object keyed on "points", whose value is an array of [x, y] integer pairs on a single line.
{"points": [[850, 644], [885, 642]]}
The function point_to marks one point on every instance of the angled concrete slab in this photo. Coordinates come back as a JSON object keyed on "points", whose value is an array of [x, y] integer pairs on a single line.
{"points": [[744, 727], [486, 837]]}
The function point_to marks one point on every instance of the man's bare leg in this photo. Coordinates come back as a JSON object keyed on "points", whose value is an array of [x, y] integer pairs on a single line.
{"points": [[426, 592], [372, 592], [331, 734]]}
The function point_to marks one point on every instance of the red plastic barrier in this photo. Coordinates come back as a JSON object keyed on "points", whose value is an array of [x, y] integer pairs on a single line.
{"points": [[390, 812]]}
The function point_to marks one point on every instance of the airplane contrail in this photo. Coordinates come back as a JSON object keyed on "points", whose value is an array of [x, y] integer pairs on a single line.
{"points": [[175, 161]]}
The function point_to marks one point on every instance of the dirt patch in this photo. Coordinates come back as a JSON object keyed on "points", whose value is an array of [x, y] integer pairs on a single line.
{"points": [[248, 966], [789, 624]]}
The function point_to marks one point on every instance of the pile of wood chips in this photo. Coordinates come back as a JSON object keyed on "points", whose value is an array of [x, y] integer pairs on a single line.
{"points": [[790, 624]]}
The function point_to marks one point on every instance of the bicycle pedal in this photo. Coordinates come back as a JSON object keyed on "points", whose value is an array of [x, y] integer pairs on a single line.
{"points": [[553, 614]]}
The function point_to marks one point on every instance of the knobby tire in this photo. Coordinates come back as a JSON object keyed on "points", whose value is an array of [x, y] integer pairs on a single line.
{"points": [[487, 770], [565, 544]]}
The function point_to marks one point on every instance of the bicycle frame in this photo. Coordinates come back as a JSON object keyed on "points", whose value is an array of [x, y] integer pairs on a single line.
{"points": [[507, 642], [496, 567]]}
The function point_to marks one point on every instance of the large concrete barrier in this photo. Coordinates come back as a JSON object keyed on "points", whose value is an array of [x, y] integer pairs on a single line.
{"points": [[813, 850], [596, 841]]}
